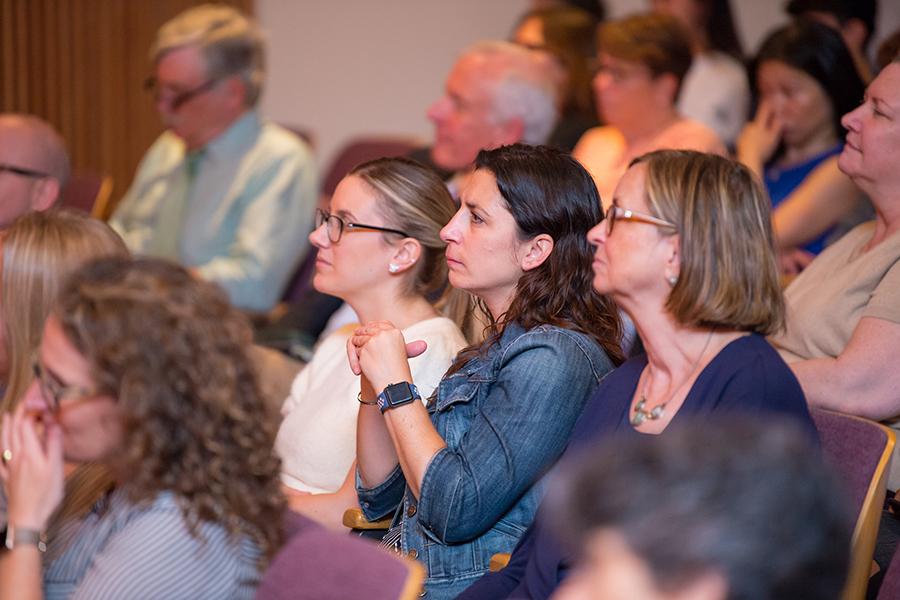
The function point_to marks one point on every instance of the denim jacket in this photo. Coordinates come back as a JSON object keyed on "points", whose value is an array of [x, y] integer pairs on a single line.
{"points": [[506, 417]]}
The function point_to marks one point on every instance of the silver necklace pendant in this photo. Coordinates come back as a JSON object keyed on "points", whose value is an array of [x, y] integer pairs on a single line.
{"points": [[641, 415]]}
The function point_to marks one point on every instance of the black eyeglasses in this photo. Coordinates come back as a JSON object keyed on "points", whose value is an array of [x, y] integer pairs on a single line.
{"points": [[23, 171], [335, 226], [54, 392], [179, 98], [617, 213]]}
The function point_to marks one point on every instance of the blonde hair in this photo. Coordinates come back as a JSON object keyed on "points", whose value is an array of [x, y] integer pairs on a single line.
{"points": [[413, 199], [729, 276], [231, 44], [40, 249]]}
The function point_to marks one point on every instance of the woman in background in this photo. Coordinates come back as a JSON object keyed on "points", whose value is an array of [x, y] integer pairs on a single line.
{"points": [[569, 34], [805, 81], [715, 91], [642, 61]]}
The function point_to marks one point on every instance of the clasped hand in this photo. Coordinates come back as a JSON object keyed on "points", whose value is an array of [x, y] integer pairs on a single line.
{"points": [[32, 469], [379, 352]]}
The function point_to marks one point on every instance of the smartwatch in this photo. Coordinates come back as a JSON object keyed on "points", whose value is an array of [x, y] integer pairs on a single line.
{"points": [[397, 394]]}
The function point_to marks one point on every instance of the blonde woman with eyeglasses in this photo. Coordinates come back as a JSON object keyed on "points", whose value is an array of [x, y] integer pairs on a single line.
{"points": [[379, 250]]}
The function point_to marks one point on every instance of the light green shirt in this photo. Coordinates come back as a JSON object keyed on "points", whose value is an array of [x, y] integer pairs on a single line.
{"points": [[241, 220]]}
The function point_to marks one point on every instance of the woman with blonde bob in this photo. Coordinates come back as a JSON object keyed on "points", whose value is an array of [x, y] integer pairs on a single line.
{"points": [[686, 250], [39, 250]]}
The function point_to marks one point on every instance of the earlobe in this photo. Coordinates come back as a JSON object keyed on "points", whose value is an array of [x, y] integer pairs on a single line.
{"points": [[538, 250], [673, 264], [406, 256]]}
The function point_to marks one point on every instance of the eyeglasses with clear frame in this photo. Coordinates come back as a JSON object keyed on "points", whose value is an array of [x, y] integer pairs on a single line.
{"points": [[178, 99], [53, 392], [617, 213], [335, 226]]}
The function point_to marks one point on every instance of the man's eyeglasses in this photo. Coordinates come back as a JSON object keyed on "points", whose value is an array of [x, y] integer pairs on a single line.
{"points": [[53, 391], [335, 226], [617, 213], [23, 171], [176, 99]]}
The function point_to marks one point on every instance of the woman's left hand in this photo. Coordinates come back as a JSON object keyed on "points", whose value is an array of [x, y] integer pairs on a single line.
{"points": [[379, 351], [33, 475]]}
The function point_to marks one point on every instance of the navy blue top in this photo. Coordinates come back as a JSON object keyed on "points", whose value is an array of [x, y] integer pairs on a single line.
{"points": [[781, 183], [746, 376]]}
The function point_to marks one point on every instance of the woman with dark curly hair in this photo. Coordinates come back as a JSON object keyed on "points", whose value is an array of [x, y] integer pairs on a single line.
{"points": [[144, 369], [466, 470]]}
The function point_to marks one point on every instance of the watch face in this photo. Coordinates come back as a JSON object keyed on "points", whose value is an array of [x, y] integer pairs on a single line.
{"points": [[399, 393]]}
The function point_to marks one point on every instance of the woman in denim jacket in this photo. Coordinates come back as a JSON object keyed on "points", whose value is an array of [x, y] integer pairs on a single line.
{"points": [[465, 471]]}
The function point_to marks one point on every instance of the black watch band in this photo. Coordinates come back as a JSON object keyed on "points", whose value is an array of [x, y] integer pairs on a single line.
{"points": [[397, 394]]}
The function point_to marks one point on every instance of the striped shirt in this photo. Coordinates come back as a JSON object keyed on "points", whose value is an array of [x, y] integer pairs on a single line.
{"points": [[119, 550]]}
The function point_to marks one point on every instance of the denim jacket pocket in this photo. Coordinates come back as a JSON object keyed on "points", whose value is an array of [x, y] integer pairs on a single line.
{"points": [[457, 401]]}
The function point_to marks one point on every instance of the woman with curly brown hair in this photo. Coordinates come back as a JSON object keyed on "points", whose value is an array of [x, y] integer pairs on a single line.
{"points": [[466, 471], [142, 368]]}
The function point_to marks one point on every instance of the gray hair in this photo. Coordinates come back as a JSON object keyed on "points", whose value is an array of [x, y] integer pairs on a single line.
{"points": [[524, 89], [231, 44]]}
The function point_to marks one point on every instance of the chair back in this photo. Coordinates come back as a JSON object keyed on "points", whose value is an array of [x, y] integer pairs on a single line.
{"points": [[87, 192], [362, 149], [860, 452], [317, 564]]}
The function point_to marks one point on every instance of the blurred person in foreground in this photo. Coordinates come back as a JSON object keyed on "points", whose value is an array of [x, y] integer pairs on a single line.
{"points": [[741, 510], [142, 368]]}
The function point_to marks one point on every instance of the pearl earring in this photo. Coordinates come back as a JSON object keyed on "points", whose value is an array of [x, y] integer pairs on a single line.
{"points": [[672, 279], [393, 268]]}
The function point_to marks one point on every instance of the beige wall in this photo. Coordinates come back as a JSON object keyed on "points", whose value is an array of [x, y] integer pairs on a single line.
{"points": [[345, 67]]}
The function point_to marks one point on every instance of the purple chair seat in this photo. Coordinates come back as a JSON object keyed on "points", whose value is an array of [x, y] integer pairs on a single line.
{"points": [[317, 564]]}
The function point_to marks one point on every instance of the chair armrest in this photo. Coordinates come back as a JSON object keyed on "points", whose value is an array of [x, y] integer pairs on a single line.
{"points": [[498, 561], [354, 519]]}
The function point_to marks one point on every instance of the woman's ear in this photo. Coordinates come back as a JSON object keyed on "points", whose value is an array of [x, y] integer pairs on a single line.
{"points": [[537, 250], [673, 260], [406, 255]]}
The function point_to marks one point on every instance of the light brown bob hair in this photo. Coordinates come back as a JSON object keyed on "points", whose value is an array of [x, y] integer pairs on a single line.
{"points": [[659, 42], [729, 276]]}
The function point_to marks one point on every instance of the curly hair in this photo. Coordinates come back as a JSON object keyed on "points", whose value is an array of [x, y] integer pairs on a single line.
{"points": [[173, 352], [548, 191]]}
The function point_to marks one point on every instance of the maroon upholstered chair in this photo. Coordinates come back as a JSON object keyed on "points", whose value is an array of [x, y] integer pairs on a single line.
{"points": [[860, 452], [317, 564], [362, 149], [87, 192]]}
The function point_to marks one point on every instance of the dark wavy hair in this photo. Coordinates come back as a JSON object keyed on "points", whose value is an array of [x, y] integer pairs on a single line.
{"points": [[173, 352], [820, 52], [547, 191]]}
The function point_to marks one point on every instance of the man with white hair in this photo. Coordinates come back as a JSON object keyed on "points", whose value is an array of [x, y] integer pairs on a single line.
{"points": [[221, 191], [34, 166], [497, 93]]}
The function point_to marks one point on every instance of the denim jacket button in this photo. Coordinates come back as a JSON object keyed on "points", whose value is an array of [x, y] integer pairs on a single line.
{"points": [[413, 554], [411, 511]]}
